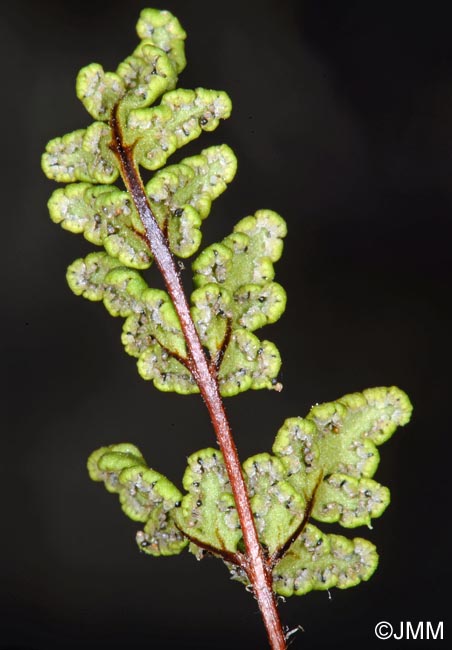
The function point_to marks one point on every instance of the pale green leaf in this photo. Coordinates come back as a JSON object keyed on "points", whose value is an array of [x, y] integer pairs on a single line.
{"points": [[277, 508], [210, 313], [99, 91], [180, 117], [86, 276], [350, 501], [245, 298], [82, 155], [152, 331], [146, 74], [208, 513], [165, 32], [113, 459], [242, 264], [181, 195], [319, 561], [145, 495], [248, 363], [150, 71], [167, 373], [332, 453], [105, 215], [155, 321], [123, 292], [160, 536]]}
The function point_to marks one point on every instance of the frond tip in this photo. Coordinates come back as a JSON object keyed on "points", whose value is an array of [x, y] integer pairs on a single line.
{"points": [[140, 111], [144, 76]]}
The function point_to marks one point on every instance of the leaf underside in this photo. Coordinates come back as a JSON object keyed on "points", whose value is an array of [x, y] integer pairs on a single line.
{"points": [[321, 467], [234, 289], [287, 488]]}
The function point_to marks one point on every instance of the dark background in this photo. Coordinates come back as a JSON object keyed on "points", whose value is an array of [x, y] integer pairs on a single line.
{"points": [[342, 122]]}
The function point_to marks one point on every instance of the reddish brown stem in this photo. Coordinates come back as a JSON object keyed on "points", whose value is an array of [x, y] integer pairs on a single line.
{"points": [[255, 565], [258, 571]]}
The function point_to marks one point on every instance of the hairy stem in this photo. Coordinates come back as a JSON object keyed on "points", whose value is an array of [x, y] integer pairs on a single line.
{"points": [[255, 565]]}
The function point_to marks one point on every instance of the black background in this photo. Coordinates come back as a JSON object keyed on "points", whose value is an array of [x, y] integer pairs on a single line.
{"points": [[342, 122]]}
